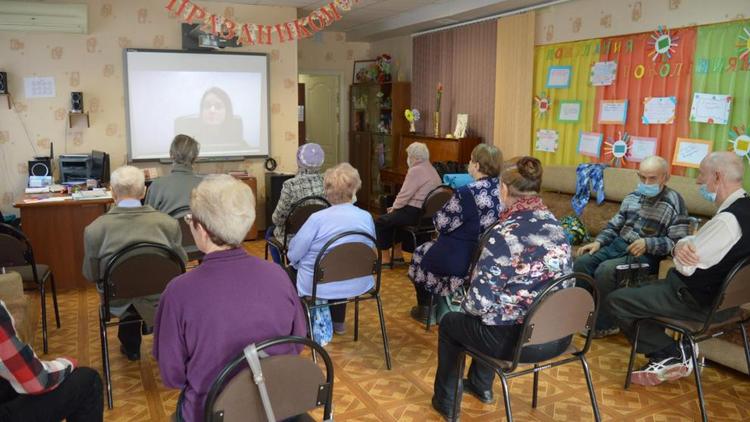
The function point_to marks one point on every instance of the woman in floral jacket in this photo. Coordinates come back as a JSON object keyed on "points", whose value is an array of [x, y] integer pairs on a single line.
{"points": [[524, 252], [440, 267]]}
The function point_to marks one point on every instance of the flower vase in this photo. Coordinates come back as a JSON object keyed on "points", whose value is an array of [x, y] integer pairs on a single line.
{"points": [[412, 128], [437, 124]]}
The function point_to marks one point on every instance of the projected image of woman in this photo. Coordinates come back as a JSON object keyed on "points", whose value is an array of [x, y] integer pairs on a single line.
{"points": [[216, 124]]}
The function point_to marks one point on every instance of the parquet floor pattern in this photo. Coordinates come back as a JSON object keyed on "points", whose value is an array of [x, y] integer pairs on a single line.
{"points": [[366, 391]]}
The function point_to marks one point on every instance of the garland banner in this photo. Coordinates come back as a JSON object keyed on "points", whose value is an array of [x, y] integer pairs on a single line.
{"points": [[252, 34]]}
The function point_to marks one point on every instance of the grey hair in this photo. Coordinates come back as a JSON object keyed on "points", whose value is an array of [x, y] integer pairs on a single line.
{"points": [[727, 163], [418, 151], [184, 149], [654, 162], [225, 207], [341, 182], [128, 182]]}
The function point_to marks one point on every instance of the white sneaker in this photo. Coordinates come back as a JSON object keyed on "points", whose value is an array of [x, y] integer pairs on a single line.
{"points": [[669, 369]]}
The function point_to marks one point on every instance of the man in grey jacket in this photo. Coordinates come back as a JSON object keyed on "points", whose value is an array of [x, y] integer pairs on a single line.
{"points": [[125, 224], [170, 193]]}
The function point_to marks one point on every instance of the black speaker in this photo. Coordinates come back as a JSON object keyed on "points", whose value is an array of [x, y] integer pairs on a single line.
{"points": [[274, 182], [40, 167], [76, 102], [3, 83]]}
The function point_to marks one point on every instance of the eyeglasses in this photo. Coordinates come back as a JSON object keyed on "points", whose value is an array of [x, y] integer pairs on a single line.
{"points": [[188, 219]]}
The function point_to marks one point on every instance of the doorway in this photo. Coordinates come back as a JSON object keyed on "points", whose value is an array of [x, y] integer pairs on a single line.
{"points": [[322, 114]]}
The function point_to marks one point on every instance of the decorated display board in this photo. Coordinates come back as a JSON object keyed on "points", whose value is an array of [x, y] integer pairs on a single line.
{"points": [[644, 91]]}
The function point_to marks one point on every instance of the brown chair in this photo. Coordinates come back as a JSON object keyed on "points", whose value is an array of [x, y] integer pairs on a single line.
{"points": [[295, 386], [556, 313], [299, 212], [16, 254], [734, 293], [433, 202], [138, 270], [188, 242], [342, 262]]}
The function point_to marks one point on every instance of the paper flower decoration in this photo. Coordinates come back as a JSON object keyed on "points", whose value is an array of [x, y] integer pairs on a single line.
{"points": [[543, 104], [411, 117], [743, 44], [438, 96], [739, 137], [663, 44], [617, 149]]}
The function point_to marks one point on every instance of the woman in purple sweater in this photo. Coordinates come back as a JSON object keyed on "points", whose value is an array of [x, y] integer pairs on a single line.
{"points": [[208, 315]]}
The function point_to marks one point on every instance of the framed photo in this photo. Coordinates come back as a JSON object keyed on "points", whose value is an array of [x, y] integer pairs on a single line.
{"points": [[690, 152], [559, 76], [361, 71]]}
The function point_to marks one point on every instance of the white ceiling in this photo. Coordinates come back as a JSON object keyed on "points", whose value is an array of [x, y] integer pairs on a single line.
{"points": [[371, 20]]}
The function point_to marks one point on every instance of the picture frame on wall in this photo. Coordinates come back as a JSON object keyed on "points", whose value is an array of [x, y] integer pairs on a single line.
{"points": [[690, 152], [361, 72]]}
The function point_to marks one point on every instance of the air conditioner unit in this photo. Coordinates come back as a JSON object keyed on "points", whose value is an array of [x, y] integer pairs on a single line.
{"points": [[43, 17]]}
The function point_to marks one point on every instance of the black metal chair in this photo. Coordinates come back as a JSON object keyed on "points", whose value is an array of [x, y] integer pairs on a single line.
{"points": [[433, 202], [138, 270], [188, 242], [295, 385], [16, 254], [299, 212], [343, 262], [556, 313], [734, 293]]}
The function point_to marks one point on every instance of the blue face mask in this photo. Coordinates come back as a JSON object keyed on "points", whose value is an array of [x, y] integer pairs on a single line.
{"points": [[648, 190], [708, 196]]}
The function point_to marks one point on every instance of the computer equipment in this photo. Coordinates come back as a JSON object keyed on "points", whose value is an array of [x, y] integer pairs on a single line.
{"points": [[99, 166], [74, 167]]}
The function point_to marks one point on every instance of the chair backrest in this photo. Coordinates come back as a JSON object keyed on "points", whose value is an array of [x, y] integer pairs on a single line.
{"points": [[187, 235], [347, 260], [295, 386], [567, 305], [300, 211], [435, 200], [140, 269], [15, 249], [180, 212], [735, 291]]}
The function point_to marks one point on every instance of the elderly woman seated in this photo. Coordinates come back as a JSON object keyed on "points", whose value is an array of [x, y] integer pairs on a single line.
{"points": [[208, 315], [169, 194], [524, 252], [307, 182], [420, 180], [440, 267], [341, 184]]}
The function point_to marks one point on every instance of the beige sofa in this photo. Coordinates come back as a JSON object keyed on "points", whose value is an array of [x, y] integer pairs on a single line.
{"points": [[11, 292], [558, 188]]}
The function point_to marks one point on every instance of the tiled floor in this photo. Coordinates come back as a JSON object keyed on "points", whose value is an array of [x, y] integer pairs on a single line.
{"points": [[366, 391]]}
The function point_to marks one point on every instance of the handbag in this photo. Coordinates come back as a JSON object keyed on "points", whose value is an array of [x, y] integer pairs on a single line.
{"points": [[632, 273]]}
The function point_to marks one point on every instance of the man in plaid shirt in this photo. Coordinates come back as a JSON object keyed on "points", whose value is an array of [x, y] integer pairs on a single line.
{"points": [[650, 221], [36, 390]]}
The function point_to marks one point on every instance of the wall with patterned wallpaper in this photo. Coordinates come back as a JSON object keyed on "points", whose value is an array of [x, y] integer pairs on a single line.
{"points": [[586, 19], [92, 63], [400, 49]]}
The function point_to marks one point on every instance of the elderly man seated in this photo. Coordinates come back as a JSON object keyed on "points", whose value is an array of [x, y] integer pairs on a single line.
{"points": [[128, 223], [170, 193], [649, 222], [702, 263]]}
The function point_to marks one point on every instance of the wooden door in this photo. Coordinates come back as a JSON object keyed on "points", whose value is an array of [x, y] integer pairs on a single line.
{"points": [[322, 120]]}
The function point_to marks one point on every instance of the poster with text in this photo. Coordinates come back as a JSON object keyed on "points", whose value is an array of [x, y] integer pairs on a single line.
{"points": [[603, 73], [690, 152], [659, 110], [546, 140], [590, 144], [642, 147], [710, 108], [570, 111], [559, 76], [613, 112]]}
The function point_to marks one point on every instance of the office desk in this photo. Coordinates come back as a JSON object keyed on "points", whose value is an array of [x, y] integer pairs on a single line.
{"points": [[55, 230]]}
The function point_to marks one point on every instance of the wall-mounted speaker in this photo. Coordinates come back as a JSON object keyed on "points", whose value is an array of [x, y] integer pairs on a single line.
{"points": [[3, 83], [76, 102], [41, 166]]}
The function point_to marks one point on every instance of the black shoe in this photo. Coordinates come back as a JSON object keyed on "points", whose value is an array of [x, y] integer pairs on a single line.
{"points": [[446, 411], [483, 396], [132, 356]]}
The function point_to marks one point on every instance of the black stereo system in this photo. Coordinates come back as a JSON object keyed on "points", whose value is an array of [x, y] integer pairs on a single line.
{"points": [[40, 166], [3, 83], [76, 102]]}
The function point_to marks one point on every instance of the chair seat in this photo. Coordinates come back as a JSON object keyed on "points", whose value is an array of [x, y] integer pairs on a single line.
{"points": [[275, 243], [505, 364], [27, 273], [695, 326], [193, 253]]}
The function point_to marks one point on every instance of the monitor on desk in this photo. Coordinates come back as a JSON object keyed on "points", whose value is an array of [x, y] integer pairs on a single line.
{"points": [[100, 166]]}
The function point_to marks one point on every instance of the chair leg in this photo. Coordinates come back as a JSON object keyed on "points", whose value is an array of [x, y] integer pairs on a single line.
{"points": [[105, 358], [698, 385], [356, 319], [310, 328], [506, 396], [747, 346], [54, 298], [430, 307], [43, 300], [385, 334], [458, 392], [632, 355], [590, 384], [392, 262], [266, 257], [535, 387]]}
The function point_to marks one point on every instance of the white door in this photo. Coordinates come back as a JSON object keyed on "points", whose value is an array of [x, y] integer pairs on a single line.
{"points": [[322, 114]]}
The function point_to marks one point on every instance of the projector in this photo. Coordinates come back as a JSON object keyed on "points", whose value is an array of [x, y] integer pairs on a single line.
{"points": [[195, 39]]}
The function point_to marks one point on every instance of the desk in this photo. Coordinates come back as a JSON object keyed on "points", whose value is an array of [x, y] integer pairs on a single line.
{"points": [[55, 230]]}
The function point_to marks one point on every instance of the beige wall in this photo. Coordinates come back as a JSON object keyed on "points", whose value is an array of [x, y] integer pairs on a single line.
{"points": [[92, 63], [585, 19], [400, 49]]}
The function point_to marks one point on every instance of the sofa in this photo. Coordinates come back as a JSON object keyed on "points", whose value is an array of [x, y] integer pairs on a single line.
{"points": [[558, 188], [11, 293]]}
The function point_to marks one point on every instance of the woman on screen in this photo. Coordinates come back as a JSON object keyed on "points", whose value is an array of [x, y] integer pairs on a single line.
{"points": [[216, 124]]}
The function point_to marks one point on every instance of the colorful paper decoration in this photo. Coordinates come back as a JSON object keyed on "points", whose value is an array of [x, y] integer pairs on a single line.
{"points": [[740, 140], [690, 152], [663, 44], [546, 140], [559, 76], [613, 112], [743, 45], [603, 73], [617, 149], [642, 147], [543, 104], [590, 144], [570, 111], [710, 108], [658, 110]]}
